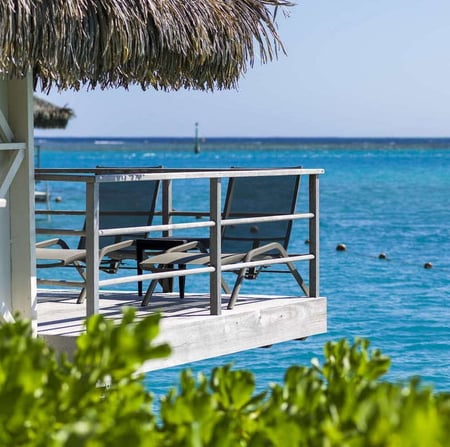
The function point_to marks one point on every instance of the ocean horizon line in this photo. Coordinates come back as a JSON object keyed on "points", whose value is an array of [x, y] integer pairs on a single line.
{"points": [[242, 143], [234, 138]]}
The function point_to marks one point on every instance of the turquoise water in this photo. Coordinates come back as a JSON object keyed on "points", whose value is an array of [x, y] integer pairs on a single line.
{"points": [[377, 196]]}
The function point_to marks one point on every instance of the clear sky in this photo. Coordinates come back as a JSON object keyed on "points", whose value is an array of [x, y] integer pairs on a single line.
{"points": [[354, 68]]}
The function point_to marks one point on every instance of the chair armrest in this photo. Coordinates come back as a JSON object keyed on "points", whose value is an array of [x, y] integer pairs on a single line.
{"points": [[115, 247], [184, 247], [49, 242], [265, 249]]}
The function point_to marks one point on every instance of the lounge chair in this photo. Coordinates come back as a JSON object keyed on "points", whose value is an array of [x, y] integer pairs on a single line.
{"points": [[121, 205], [246, 197]]}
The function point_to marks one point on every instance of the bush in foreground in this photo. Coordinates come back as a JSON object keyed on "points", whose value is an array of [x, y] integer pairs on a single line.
{"points": [[97, 399]]}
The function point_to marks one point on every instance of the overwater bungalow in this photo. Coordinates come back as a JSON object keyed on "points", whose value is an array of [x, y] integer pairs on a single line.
{"points": [[161, 51], [47, 116], [50, 116]]}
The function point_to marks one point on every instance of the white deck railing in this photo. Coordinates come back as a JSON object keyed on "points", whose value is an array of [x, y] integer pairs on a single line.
{"points": [[93, 177]]}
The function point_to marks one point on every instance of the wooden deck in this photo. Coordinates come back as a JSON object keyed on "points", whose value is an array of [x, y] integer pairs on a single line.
{"points": [[187, 325]]}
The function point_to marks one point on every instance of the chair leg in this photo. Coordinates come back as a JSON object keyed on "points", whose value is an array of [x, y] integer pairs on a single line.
{"points": [[82, 272], [241, 276], [149, 293], [298, 278], [81, 296], [236, 288], [182, 281], [167, 283], [225, 286]]}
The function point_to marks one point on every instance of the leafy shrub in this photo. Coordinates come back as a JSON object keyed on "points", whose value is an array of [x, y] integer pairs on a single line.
{"points": [[46, 400], [97, 399]]}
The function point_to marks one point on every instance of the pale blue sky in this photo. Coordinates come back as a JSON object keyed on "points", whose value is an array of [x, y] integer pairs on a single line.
{"points": [[354, 68]]}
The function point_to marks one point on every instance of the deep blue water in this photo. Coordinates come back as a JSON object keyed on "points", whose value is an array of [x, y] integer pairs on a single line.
{"points": [[377, 196]]}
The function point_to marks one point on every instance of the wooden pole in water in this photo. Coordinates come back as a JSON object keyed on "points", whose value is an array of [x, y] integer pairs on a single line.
{"points": [[196, 143]]}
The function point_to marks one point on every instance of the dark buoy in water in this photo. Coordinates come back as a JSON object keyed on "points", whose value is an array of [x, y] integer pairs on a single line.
{"points": [[428, 265], [196, 143], [58, 199], [382, 256], [341, 247]]}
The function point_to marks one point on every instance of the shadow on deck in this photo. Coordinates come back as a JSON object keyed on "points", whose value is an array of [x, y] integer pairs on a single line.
{"points": [[188, 327]]}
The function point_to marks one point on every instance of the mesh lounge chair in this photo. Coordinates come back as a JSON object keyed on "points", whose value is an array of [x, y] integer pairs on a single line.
{"points": [[121, 204], [246, 197]]}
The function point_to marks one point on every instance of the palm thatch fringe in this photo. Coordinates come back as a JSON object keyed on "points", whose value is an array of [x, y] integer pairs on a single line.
{"points": [[50, 116], [165, 44]]}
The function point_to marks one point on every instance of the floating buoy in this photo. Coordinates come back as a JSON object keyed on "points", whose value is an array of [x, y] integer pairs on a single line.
{"points": [[428, 265], [382, 256], [341, 247], [254, 229], [306, 241], [58, 199]]}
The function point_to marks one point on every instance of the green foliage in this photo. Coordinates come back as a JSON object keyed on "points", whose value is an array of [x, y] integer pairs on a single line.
{"points": [[46, 400], [97, 399], [218, 412], [341, 403]]}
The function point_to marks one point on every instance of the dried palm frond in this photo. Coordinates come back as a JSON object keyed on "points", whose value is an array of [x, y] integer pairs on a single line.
{"points": [[50, 116], [166, 44]]}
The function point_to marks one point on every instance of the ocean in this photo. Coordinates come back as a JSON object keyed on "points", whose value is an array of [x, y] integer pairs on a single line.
{"points": [[387, 197]]}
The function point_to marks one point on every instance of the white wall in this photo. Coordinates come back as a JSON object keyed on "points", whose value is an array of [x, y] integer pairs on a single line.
{"points": [[5, 253], [17, 232]]}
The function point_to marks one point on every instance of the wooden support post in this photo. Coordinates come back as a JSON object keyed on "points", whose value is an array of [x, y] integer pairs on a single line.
{"points": [[21, 201], [92, 249], [215, 207], [167, 205], [314, 282]]}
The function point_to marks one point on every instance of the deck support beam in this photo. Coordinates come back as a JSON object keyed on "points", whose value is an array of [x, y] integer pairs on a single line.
{"points": [[92, 249], [314, 266], [167, 205], [215, 246]]}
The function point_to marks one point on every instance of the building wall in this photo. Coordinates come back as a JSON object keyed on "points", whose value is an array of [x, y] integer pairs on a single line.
{"points": [[17, 231], [5, 252]]}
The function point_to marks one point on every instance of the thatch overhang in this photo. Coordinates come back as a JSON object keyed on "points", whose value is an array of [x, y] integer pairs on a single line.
{"points": [[50, 116], [165, 44]]}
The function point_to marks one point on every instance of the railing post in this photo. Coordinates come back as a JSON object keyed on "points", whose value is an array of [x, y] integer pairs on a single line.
{"points": [[314, 275], [215, 207], [167, 205], [92, 248]]}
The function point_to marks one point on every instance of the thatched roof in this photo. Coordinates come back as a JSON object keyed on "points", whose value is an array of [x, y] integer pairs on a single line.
{"points": [[166, 44], [50, 116]]}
